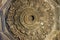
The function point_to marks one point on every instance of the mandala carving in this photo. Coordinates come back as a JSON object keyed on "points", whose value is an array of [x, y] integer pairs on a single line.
{"points": [[30, 19]]}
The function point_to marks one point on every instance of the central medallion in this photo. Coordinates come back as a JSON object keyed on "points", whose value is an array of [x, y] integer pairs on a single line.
{"points": [[29, 18]]}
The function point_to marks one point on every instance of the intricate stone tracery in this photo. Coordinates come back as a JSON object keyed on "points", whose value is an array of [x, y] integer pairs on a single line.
{"points": [[30, 19]]}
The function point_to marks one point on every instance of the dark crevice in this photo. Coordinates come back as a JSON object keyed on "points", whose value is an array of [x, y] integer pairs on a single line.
{"points": [[32, 18]]}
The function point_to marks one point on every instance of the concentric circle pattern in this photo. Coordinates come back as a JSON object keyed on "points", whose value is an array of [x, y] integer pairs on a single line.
{"points": [[30, 19]]}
